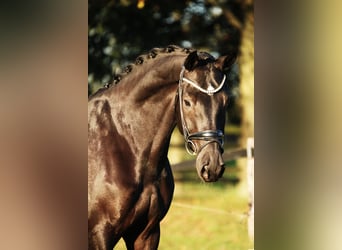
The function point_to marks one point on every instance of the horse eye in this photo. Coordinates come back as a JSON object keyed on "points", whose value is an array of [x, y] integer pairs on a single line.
{"points": [[187, 103]]}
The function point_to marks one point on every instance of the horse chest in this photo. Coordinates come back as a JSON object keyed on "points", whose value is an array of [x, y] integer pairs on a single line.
{"points": [[152, 204]]}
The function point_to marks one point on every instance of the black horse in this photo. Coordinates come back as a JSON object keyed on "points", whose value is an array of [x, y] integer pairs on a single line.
{"points": [[130, 182]]}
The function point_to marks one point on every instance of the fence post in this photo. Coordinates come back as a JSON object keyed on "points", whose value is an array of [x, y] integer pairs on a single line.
{"points": [[250, 183]]}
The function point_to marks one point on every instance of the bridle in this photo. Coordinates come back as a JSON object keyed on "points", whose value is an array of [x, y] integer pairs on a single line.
{"points": [[210, 136]]}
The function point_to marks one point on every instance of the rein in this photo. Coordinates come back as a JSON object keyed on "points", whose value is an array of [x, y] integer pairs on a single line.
{"points": [[210, 136]]}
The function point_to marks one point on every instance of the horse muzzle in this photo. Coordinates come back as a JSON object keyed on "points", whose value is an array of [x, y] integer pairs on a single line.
{"points": [[209, 163]]}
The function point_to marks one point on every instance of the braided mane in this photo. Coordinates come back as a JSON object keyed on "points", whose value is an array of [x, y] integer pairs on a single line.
{"points": [[153, 53]]}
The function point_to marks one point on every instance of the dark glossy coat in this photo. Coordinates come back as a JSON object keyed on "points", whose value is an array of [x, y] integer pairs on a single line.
{"points": [[130, 183]]}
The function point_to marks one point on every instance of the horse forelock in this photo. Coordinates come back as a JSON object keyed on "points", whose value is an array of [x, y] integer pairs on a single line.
{"points": [[205, 58]]}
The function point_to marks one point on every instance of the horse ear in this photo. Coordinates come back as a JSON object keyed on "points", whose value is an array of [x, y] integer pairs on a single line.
{"points": [[191, 61], [225, 62]]}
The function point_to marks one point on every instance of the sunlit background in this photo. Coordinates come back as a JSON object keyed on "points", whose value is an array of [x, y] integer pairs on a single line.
{"points": [[43, 128], [202, 216]]}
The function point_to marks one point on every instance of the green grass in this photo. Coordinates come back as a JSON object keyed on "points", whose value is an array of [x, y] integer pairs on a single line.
{"points": [[205, 216]]}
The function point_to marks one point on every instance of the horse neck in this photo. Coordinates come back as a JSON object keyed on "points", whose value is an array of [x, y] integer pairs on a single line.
{"points": [[145, 113]]}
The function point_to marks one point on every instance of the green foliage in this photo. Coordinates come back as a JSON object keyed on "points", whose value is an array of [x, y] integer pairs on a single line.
{"points": [[119, 31]]}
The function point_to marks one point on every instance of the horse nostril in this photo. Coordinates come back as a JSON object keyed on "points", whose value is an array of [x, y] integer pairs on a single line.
{"points": [[205, 172]]}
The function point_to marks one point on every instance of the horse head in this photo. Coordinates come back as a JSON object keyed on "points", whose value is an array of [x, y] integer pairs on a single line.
{"points": [[203, 98]]}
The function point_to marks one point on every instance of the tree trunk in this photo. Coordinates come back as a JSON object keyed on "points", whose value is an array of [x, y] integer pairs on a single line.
{"points": [[246, 102], [246, 63]]}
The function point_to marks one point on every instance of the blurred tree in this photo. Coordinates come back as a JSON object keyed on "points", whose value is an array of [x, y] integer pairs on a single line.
{"points": [[246, 63]]}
